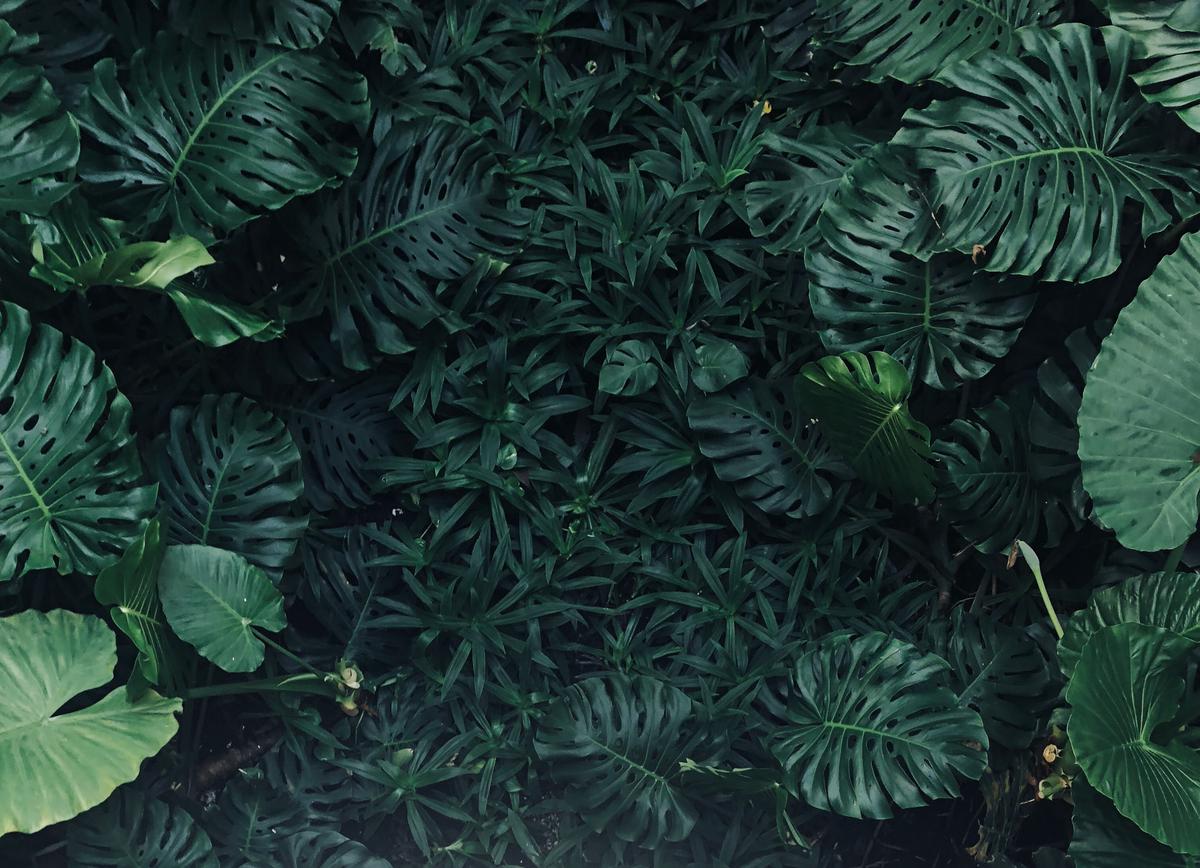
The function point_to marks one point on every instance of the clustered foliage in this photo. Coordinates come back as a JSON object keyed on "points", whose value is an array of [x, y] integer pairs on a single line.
{"points": [[599, 432]]}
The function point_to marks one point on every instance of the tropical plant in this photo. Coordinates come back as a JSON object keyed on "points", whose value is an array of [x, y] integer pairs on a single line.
{"points": [[587, 433]]}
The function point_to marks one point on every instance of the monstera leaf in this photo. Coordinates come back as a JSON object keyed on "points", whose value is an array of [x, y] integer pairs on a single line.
{"points": [[1165, 38], [1102, 838], [989, 482], [40, 139], [1127, 685], [804, 172], [1170, 601], [214, 599], [1001, 673], [70, 492], [759, 439], [629, 369], [420, 210], [207, 137], [1139, 423], [1041, 188], [230, 477], [251, 819], [616, 745], [341, 428], [940, 317], [135, 830], [290, 23], [872, 725], [70, 761], [324, 849], [911, 41], [860, 402], [130, 587]]}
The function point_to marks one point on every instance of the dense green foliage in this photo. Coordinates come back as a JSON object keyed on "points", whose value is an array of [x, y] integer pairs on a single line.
{"points": [[599, 432]]}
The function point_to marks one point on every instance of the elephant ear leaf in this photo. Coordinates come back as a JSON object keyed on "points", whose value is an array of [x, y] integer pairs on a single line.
{"points": [[1102, 838], [861, 403], [1139, 422], [76, 758], [872, 725], [135, 822], [941, 317], [231, 478], [1170, 601], [911, 41], [34, 125], [214, 599], [207, 137], [1042, 190], [71, 497], [1127, 685], [616, 745]]}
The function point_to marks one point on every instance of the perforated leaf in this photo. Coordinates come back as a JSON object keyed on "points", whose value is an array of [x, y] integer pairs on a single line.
{"points": [[68, 761], [1037, 157], [230, 477], [290, 23], [873, 725], [207, 137], [1165, 40], [135, 830], [71, 493]]}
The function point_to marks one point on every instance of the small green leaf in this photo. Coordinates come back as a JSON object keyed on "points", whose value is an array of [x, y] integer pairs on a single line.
{"points": [[630, 369], [718, 363], [213, 599]]}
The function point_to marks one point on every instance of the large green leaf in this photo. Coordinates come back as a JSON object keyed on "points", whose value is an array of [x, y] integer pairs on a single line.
{"points": [[1139, 423], [1001, 673], [861, 403], [70, 492], [230, 477], [135, 830], [940, 317], [58, 765], [872, 724], [214, 599], [130, 587], [420, 210], [1041, 187], [323, 849], [759, 439], [629, 369], [1165, 35], [1102, 838], [989, 485], [41, 141], [1170, 601], [1127, 684], [206, 137], [290, 23], [803, 172], [911, 41], [616, 745]]}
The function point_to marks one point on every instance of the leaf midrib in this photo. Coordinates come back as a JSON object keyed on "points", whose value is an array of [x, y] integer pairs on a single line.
{"points": [[1033, 155], [16, 463], [216, 106]]}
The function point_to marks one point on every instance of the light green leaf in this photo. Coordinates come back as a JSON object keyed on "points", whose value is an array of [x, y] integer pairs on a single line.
{"points": [[1170, 601], [941, 317], [1128, 682], [196, 136], [213, 599], [630, 369], [58, 765], [71, 497], [873, 725], [861, 403], [718, 363], [218, 322], [41, 141], [130, 587], [1139, 422], [912, 40], [1043, 189]]}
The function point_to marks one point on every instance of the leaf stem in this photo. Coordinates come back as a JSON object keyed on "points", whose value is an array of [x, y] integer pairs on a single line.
{"points": [[1035, 565], [315, 685], [267, 640], [1175, 556]]}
